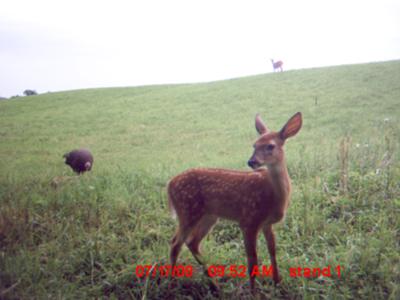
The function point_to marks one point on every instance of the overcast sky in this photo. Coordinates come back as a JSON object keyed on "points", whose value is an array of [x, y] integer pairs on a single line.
{"points": [[50, 45]]}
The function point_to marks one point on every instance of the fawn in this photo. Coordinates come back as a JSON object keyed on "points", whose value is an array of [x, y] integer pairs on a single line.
{"points": [[255, 199]]}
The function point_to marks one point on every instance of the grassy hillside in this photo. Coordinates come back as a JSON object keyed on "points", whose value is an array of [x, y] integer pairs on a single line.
{"points": [[84, 236]]}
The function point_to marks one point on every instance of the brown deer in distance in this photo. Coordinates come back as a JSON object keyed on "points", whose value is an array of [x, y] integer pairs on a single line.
{"points": [[255, 199], [277, 65]]}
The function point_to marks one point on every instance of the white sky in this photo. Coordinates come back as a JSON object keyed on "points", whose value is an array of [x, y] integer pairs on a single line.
{"points": [[51, 45]]}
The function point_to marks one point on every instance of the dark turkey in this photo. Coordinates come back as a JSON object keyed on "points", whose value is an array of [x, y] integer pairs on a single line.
{"points": [[80, 160]]}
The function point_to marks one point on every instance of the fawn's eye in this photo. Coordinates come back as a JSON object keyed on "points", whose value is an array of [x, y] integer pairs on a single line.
{"points": [[270, 147]]}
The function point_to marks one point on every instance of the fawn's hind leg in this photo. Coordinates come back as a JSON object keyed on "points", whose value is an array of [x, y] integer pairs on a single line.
{"points": [[197, 234], [180, 237]]}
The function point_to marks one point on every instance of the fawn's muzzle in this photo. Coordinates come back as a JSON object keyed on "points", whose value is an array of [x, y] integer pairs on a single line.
{"points": [[252, 164]]}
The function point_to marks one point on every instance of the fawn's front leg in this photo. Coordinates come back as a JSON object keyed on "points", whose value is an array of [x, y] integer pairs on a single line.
{"points": [[250, 243], [270, 238]]}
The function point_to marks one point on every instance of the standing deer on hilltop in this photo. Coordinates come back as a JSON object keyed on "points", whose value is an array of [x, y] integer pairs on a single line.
{"points": [[277, 65], [255, 199]]}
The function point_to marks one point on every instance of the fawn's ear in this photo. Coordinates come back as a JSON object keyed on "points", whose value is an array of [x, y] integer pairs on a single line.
{"points": [[260, 126], [292, 126]]}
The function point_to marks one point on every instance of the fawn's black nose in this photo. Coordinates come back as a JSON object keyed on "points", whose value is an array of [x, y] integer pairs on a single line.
{"points": [[252, 164]]}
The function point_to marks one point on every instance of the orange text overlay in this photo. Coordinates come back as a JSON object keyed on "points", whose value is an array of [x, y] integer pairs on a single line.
{"points": [[164, 271], [239, 271]]}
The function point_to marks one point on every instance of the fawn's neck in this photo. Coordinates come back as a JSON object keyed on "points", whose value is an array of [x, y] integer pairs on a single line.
{"points": [[280, 181]]}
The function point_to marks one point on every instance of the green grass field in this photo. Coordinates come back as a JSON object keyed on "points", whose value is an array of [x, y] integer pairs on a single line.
{"points": [[85, 236]]}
